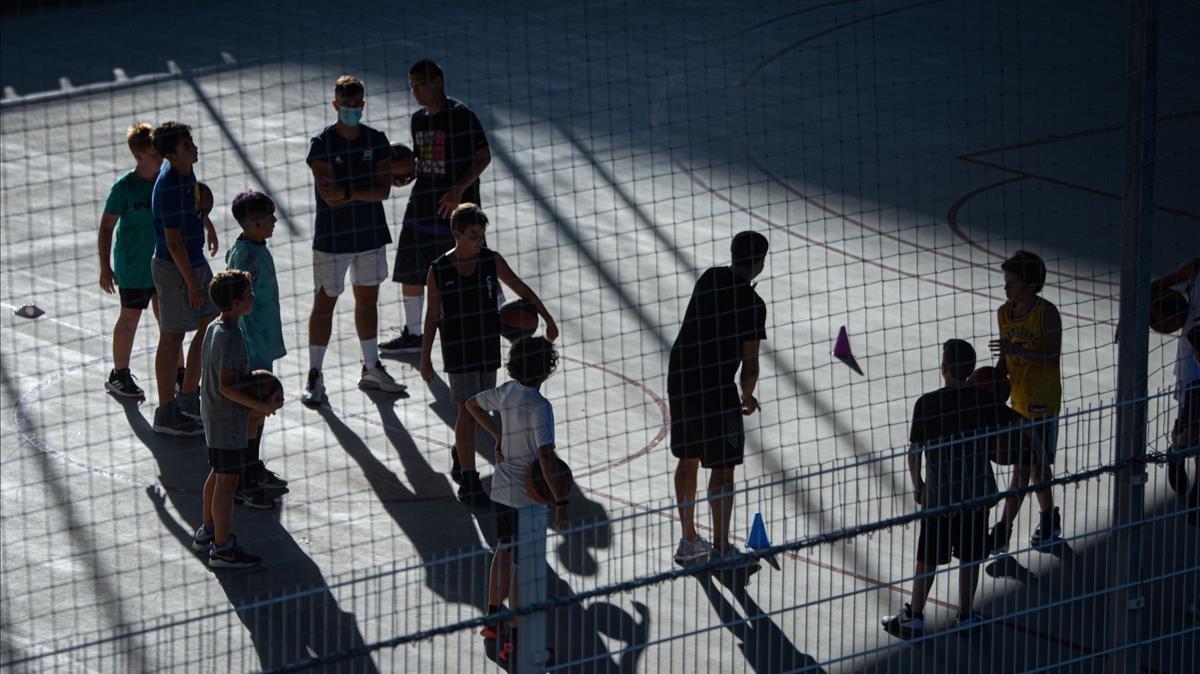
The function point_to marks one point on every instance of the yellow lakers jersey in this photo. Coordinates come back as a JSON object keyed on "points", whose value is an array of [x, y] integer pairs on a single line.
{"points": [[1036, 388]]}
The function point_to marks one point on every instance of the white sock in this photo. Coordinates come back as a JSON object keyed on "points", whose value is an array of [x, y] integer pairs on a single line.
{"points": [[412, 313], [370, 349], [316, 356]]}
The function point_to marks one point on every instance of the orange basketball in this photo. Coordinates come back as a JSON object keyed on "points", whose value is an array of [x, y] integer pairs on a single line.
{"points": [[1168, 310], [535, 481], [518, 319], [262, 385], [989, 379]]}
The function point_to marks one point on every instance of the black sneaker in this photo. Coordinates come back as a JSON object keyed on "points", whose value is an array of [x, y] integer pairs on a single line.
{"points": [[168, 420], [455, 468], [120, 383], [231, 556], [998, 538], [267, 479], [904, 624], [203, 539], [1048, 531], [405, 343], [471, 492], [255, 498]]}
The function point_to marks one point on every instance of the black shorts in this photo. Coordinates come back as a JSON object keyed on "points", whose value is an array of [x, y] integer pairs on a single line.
{"points": [[963, 535], [227, 461], [698, 431], [1185, 432], [135, 298], [506, 527], [415, 251]]}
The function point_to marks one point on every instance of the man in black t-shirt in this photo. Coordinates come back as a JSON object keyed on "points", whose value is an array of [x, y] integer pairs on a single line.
{"points": [[352, 176], [724, 323], [950, 428], [451, 152]]}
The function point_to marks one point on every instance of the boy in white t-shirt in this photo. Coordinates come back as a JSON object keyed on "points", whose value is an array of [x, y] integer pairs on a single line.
{"points": [[528, 436]]}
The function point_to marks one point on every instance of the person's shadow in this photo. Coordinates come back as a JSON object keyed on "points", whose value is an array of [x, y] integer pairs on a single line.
{"points": [[766, 648], [286, 606]]}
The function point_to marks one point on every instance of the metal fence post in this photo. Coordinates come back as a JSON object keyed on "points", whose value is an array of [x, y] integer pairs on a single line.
{"points": [[1125, 599], [532, 575]]}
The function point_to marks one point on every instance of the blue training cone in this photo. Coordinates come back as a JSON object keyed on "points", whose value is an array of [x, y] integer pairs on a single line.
{"points": [[758, 534]]}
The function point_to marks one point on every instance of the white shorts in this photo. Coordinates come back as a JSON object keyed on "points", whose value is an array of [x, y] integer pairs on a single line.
{"points": [[369, 268]]}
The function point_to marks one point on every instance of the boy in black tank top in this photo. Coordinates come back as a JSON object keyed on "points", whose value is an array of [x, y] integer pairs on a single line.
{"points": [[462, 287]]}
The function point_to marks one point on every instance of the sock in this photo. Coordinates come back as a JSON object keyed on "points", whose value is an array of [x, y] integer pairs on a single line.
{"points": [[252, 454], [493, 608], [412, 314], [370, 351], [316, 356]]}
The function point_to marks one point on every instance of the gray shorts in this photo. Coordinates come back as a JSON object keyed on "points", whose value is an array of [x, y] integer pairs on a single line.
{"points": [[174, 314], [466, 384]]}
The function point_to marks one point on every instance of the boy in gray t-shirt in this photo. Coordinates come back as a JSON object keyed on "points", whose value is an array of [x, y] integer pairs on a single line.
{"points": [[528, 422], [228, 410]]}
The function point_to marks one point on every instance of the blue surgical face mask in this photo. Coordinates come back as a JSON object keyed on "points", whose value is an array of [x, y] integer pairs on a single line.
{"points": [[350, 116]]}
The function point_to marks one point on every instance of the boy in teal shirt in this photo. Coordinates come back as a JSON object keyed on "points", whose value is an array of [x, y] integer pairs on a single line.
{"points": [[127, 213], [262, 328]]}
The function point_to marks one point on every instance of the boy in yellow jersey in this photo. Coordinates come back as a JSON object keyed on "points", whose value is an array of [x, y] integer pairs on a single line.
{"points": [[1028, 353]]}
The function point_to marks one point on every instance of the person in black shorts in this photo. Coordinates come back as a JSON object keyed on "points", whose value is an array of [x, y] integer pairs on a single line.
{"points": [[462, 286], [724, 323], [451, 153], [949, 428]]}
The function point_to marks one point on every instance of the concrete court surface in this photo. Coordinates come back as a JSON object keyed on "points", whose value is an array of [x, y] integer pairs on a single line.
{"points": [[893, 152]]}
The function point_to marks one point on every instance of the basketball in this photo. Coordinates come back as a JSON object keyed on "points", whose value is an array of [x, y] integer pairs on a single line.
{"points": [[1168, 310], [989, 379], [535, 482], [518, 319], [263, 385], [205, 198], [404, 164]]}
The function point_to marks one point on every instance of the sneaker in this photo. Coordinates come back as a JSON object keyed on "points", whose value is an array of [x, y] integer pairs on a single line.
{"points": [[1048, 531], [314, 390], [970, 623], [202, 540], [732, 557], [508, 652], [489, 632], [120, 383], [455, 468], [168, 420], [255, 498], [691, 552], [471, 492], [189, 405], [405, 343], [998, 538], [231, 556], [904, 624], [267, 479], [377, 379]]}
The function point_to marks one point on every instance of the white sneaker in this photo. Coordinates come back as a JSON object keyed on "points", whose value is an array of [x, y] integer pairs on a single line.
{"points": [[314, 389], [690, 552], [378, 379]]}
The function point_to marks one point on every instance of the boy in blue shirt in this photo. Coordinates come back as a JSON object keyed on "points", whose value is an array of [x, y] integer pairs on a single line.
{"points": [[262, 329], [181, 276]]}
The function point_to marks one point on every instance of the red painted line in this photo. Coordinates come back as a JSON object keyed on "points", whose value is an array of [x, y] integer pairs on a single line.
{"points": [[952, 222], [796, 556], [1075, 186], [1057, 138], [663, 409]]}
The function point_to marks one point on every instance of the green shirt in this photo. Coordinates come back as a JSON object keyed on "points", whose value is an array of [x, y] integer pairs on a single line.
{"points": [[129, 200], [262, 327]]}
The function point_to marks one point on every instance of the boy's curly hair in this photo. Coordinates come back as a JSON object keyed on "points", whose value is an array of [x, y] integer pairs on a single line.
{"points": [[532, 360]]}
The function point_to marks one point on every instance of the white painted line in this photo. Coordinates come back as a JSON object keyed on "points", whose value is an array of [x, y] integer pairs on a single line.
{"points": [[64, 83], [119, 74], [173, 68], [228, 58], [9, 92]]}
